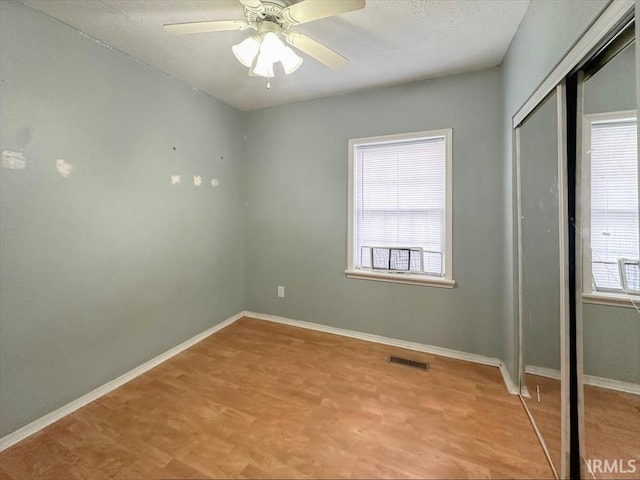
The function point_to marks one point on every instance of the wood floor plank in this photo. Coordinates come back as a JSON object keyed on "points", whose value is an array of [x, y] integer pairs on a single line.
{"points": [[264, 400]]}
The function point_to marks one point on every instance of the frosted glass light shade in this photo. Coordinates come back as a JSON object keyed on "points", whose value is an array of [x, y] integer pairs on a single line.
{"points": [[271, 46], [260, 52], [290, 61], [264, 66], [246, 51]]}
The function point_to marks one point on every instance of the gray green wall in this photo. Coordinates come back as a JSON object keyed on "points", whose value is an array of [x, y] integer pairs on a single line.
{"points": [[612, 88], [612, 342], [105, 269], [548, 30], [297, 213]]}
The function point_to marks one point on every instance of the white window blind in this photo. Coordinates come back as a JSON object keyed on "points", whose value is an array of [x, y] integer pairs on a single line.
{"points": [[614, 200], [399, 202]]}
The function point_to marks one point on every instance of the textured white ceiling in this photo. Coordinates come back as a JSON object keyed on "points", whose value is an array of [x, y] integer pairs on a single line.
{"points": [[388, 42]]}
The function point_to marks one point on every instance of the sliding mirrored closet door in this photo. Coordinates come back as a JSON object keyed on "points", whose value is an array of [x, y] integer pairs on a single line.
{"points": [[538, 141], [608, 254], [577, 171]]}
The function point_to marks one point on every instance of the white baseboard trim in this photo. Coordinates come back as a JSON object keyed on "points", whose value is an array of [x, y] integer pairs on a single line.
{"points": [[418, 347], [37, 425], [617, 385], [542, 371], [602, 382], [512, 388]]}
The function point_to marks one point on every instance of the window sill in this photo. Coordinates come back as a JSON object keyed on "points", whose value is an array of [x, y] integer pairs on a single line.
{"points": [[612, 299], [400, 278]]}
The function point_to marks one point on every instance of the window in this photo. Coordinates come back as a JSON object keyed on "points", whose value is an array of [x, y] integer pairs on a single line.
{"points": [[400, 208], [611, 251]]}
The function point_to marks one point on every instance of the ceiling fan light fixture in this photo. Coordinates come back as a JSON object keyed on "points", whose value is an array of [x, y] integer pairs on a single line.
{"points": [[273, 19], [264, 65], [271, 46], [290, 61], [247, 50]]}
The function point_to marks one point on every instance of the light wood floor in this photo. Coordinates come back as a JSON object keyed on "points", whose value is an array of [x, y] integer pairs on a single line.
{"points": [[259, 399], [612, 423], [612, 428]]}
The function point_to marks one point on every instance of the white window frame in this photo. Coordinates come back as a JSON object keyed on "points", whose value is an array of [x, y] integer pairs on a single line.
{"points": [[403, 277], [589, 295]]}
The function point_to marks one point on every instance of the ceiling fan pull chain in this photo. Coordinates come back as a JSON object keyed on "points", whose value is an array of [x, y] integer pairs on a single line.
{"points": [[268, 83]]}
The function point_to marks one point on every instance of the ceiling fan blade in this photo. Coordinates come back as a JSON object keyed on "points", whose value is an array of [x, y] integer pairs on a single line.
{"points": [[310, 10], [316, 50], [253, 5], [204, 27]]}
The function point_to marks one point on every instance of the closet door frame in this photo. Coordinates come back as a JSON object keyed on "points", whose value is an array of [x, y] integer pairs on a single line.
{"points": [[579, 270]]}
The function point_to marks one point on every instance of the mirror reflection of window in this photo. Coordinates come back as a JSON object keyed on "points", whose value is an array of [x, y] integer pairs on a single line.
{"points": [[614, 202]]}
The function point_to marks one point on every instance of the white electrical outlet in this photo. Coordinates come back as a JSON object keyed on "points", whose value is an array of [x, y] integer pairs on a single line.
{"points": [[280, 292]]}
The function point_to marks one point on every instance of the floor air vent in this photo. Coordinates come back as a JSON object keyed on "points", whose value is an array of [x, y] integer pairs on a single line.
{"points": [[409, 363]]}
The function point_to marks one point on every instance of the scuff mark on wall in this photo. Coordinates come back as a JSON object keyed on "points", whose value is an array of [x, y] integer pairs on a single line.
{"points": [[13, 160], [64, 168]]}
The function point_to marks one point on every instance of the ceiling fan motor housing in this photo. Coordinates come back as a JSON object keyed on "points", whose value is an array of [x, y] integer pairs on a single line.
{"points": [[270, 12], [267, 26]]}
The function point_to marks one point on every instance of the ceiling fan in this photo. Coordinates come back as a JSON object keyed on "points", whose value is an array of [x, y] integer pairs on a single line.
{"points": [[273, 20]]}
